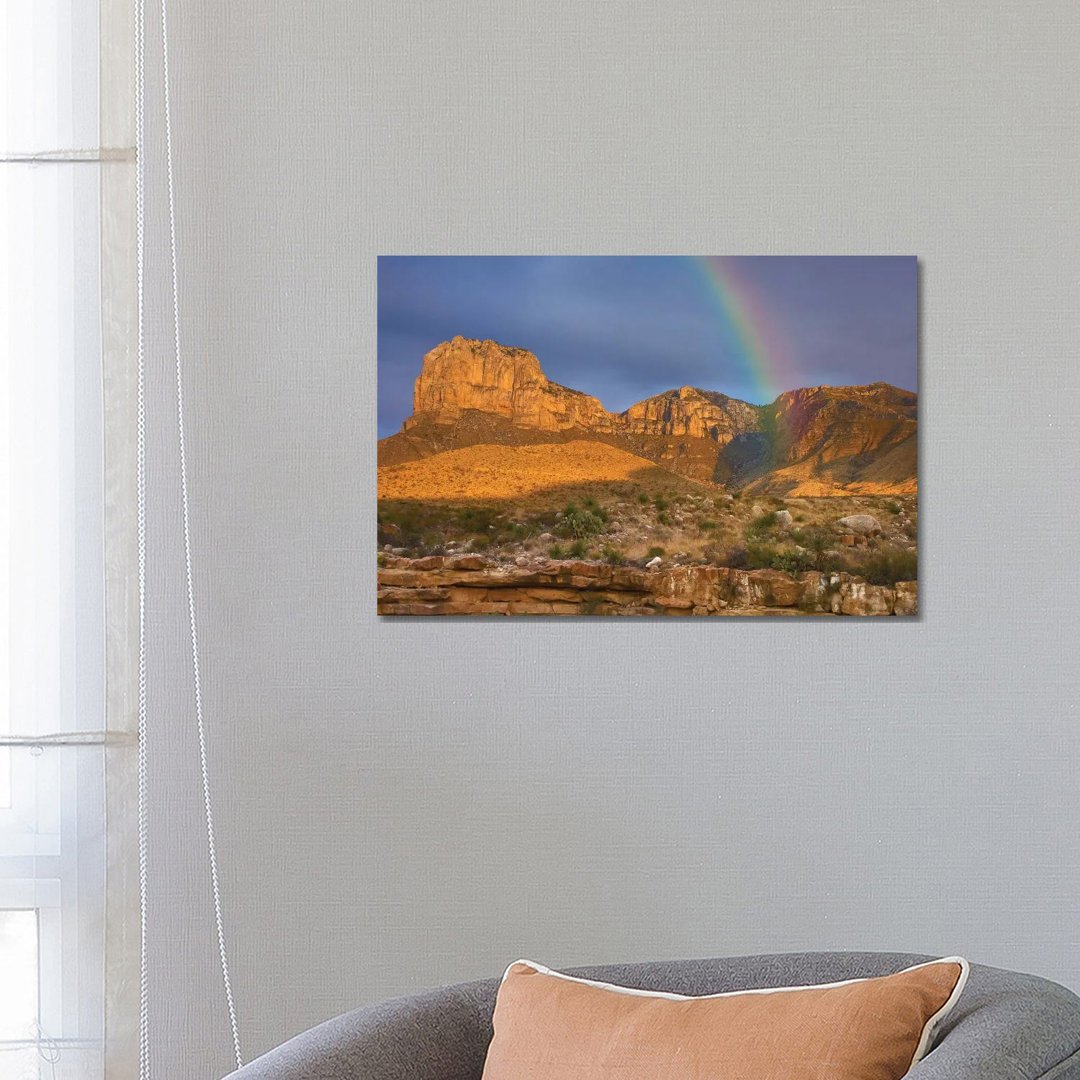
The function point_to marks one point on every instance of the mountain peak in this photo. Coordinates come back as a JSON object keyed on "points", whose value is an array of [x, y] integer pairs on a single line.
{"points": [[475, 390], [466, 373]]}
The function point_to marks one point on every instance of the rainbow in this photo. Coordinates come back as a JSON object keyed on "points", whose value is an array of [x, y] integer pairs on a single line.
{"points": [[755, 332]]}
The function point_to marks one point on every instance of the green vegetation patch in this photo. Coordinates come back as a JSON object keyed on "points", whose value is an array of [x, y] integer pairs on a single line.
{"points": [[888, 565], [761, 525]]}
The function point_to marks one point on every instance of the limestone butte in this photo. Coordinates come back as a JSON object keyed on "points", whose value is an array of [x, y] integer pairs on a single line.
{"points": [[466, 374], [819, 440]]}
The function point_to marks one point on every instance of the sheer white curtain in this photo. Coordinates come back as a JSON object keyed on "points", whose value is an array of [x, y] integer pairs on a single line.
{"points": [[52, 545]]}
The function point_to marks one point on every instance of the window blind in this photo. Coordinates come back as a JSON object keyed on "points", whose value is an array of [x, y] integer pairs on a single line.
{"points": [[56, 206]]}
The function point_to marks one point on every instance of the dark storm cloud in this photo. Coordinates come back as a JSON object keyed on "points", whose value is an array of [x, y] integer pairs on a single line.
{"points": [[623, 328]]}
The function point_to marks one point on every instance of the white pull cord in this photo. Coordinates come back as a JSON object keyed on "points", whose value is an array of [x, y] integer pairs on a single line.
{"points": [[140, 199], [197, 680]]}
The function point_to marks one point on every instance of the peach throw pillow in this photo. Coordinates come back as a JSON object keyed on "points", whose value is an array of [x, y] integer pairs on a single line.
{"points": [[550, 1026]]}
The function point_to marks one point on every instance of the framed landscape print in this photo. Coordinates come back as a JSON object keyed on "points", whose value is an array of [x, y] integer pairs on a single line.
{"points": [[647, 436]]}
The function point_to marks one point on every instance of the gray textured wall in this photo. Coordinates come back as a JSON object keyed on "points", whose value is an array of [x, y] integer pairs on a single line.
{"points": [[409, 803]]}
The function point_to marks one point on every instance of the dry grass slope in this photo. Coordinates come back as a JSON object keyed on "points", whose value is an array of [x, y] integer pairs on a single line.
{"points": [[522, 474]]}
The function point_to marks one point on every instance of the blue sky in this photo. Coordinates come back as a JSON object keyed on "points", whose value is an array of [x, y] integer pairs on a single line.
{"points": [[625, 327]]}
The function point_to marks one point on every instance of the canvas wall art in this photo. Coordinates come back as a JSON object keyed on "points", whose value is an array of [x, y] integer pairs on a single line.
{"points": [[647, 436]]}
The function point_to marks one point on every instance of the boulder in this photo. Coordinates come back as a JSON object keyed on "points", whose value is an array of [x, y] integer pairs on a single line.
{"points": [[862, 524], [700, 586], [578, 568], [654, 563], [769, 588], [465, 562], [859, 598], [906, 598], [814, 590], [784, 519]]}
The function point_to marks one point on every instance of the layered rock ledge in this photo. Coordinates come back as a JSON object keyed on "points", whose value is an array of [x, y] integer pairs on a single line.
{"points": [[472, 585]]}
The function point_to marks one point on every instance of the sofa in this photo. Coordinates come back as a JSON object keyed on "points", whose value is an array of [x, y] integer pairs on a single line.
{"points": [[1006, 1026]]}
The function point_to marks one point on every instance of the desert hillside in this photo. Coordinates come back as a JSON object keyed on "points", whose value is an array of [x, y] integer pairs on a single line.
{"points": [[814, 441], [494, 473]]}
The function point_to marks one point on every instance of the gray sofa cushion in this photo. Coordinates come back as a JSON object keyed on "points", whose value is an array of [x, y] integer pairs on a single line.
{"points": [[1006, 1026]]}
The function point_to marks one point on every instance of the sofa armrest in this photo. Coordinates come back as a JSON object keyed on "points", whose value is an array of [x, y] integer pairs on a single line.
{"points": [[1007, 1026], [438, 1035]]}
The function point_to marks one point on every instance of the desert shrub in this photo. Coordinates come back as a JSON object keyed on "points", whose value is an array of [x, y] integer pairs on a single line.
{"points": [[893, 508], [707, 526], [736, 494], [737, 558], [761, 525], [792, 562], [383, 560], [593, 507], [800, 517], [582, 522], [653, 552], [770, 557], [612, 555], [643, 498], [660, 503], [476, 519], [403, 525], [556, 551], [817, 541], [888, 565], [760, 556], [813, 537], [663, 519], [479, 543], [578, 549]]}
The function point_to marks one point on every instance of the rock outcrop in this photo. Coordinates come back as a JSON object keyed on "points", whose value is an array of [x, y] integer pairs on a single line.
{"points": [[688, 411], [465, 374], [470, 585], [814, 441]]}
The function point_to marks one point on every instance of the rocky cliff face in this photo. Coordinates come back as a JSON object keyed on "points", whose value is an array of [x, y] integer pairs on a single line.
{"points": [[814, 441], [466, 374], [689, 411]]}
